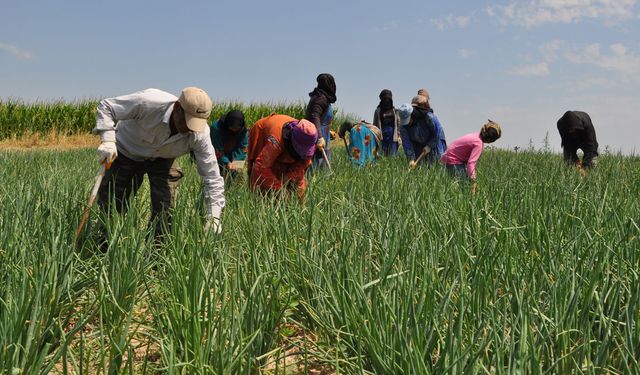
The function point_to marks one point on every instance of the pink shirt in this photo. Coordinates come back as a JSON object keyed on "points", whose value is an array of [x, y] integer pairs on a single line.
{"points": [[464, 150]]}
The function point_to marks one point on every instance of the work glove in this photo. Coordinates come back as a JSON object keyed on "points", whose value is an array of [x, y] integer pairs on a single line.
{"points": [[332, 134], [213, 223], [107, 152], [321, 143]]}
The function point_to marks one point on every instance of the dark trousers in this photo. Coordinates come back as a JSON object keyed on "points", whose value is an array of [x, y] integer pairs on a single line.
{"points": [[125, 177]]}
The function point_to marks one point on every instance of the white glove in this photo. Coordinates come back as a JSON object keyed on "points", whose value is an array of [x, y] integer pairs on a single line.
{"points": [[321, 143], [107, 152], [213, 223], [426, 149]]}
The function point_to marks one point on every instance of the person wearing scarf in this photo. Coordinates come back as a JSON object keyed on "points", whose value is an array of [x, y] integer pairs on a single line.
{"points": [[577, 132], [280, 151], [320, 113], [462, 155], [421, 132], [364, 141], [230, 139], [388, 121]]}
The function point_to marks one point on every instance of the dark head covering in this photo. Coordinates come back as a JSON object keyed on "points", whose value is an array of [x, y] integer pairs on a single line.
{"points": [[386, 99], [345, 127], [233, 119], [572, 120], [326, 86]]}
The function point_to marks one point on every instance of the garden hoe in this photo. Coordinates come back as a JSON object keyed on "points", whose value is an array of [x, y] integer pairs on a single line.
{"points": [[414, 163], [92, 198], [326, 160]]}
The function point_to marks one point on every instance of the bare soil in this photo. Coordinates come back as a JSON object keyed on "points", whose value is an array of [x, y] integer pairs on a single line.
{"points": [[52, 141]]}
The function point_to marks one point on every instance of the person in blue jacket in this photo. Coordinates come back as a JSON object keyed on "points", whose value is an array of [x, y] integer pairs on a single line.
{"points": [[421, 132], [230, 140]]}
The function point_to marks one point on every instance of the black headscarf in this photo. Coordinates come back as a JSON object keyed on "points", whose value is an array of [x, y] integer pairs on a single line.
{"points": [[326, 86], [386, 100], [233, 119]]}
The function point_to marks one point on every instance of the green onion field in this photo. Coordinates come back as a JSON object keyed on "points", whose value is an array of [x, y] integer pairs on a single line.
{"points": [[381, 271]]}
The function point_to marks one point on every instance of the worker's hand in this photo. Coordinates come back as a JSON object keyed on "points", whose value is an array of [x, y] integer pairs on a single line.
{"points": [[426, 149], [321, 143], [332, 135], [413, 164], [213, 224], [107, 152]]}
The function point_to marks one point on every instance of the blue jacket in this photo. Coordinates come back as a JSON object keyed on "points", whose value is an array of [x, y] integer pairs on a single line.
{"points": [[424, 133]]}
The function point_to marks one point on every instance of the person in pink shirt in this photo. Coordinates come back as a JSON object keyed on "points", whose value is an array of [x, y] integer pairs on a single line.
{"points": [[462, 155]]}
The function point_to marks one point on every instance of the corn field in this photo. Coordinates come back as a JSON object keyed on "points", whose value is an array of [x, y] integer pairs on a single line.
{"points": [[18, 118], [381, 271]]}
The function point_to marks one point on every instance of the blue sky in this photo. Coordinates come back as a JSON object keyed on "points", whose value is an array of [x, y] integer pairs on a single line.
{"points": [[520, 63]]}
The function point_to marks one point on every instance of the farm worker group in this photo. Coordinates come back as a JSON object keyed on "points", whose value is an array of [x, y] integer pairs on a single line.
{"points": [[142, 133]]}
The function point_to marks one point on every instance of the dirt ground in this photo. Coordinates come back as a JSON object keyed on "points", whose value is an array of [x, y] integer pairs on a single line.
{"points": [[50, 142]]}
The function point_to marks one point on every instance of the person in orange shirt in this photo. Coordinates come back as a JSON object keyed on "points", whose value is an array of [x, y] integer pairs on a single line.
{"points": [[280, 151]]}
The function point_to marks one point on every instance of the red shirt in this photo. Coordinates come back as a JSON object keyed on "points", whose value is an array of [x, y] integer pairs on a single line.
{"points": [[269, 165]]}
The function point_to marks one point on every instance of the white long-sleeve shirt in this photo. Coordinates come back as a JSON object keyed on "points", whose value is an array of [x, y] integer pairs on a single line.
{"points": [[139, 124]]}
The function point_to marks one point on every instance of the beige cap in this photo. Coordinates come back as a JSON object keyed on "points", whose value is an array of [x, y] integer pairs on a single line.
{"points": [[425, 93], [197, 108], [420, 101]]}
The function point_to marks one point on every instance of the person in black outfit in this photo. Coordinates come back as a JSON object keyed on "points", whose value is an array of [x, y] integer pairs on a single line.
{"points": [[577, 132], [320, 113]]}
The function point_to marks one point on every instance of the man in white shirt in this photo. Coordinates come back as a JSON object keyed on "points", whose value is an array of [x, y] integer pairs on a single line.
{"points": [[142, 133]]}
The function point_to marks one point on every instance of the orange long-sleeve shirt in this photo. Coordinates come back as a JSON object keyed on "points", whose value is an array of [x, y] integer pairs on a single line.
{"points": [[269, 165]]}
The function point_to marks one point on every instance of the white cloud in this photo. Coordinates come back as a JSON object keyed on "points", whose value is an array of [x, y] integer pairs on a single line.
{"points": [[15, 51], [450, 21], [466, 53], [618, 59], [538, 70], [536, 12]]}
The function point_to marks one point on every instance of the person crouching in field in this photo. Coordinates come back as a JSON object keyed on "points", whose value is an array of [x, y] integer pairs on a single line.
{"points": [[153, 128], [230, 139], [577, 132], [280, 152], [364, 141], [423, 138], [462, 155]]}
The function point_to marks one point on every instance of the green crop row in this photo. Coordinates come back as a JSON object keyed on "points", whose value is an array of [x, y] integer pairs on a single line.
{"points": [[382, 271]]}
